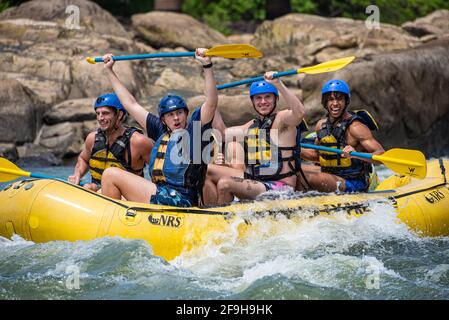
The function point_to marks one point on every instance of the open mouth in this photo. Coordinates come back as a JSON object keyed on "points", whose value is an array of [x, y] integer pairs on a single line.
{"points": [[335, 110]]}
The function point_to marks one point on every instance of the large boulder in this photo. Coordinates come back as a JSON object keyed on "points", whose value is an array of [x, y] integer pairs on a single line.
{"points": [[63, 139], [303, 36], [436, 23], [28, 31], [169, 29], [407, 92], [46, 77], [76, 110], [91, 16], [17, 113]]}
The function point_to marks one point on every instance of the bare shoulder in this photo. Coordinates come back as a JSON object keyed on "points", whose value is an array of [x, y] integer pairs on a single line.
{"points": [[138, 138], [282, 115], [359, 130], [280, 123], [90, 139]]}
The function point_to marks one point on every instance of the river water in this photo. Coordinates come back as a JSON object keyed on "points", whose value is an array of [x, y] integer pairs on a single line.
{"points": [[372, 257]]}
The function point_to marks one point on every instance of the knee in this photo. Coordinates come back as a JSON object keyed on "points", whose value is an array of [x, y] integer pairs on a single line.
{"points": [[110, 175], [224, 185]]}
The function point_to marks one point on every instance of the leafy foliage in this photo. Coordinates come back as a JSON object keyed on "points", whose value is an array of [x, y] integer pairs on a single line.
{"points": [[391, 11], [218, 13]]}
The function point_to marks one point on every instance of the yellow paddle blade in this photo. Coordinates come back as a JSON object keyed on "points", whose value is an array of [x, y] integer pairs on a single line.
{"points": [[234, 51], [9, 171], [328, 66], [404, 161]]}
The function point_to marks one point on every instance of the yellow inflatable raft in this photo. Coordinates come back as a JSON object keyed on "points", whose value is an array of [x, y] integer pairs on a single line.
{"points": [[45, 210]]}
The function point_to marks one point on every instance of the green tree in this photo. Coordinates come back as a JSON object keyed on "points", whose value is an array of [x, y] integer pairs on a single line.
{"points": [[391, 11], [218, 13]]}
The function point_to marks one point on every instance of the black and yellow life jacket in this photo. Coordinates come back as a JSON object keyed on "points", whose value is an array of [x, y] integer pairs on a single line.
{"points": [[103, 156], [334, 136], [260, 163], [157, 174]]}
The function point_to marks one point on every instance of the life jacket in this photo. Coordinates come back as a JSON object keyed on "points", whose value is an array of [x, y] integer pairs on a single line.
{"points": [[103, 156], [260, 163], [182, 174], [300, 128], [335, 137]]}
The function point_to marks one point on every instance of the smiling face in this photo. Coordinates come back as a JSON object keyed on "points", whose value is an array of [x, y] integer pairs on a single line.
{"points": [[264, 103], [107, 118], [176, 119], [335, 104]]}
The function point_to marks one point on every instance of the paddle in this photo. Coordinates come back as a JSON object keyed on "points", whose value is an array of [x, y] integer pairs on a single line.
{"points": [[403, 161], [324, 67], [230, 51], [9, 171]]}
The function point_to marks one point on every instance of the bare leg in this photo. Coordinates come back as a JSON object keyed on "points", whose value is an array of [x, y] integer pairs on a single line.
{"points": [[210, 194], [320, 181], [116, 183], [214, 174], [228, 187], [92, 186]]}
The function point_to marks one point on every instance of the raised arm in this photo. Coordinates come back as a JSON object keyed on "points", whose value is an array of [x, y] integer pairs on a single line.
{"points": [[210, 105], [126, 98], [218, 123], [296, 112]]}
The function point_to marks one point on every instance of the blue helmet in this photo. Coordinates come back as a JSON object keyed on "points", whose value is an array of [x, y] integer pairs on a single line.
{"points": [[262, 87], [109, 100], [335, 85], [171, 103]]}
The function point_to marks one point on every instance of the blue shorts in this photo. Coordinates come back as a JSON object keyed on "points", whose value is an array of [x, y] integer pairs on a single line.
{"points": [[176, 197], [356, 185]]}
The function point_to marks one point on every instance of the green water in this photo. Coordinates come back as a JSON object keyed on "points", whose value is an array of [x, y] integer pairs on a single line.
{"points": [[373, 257]]}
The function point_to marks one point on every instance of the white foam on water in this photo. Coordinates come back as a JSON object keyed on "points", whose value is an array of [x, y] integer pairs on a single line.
{"points": [[315, 249], [15, 240]]}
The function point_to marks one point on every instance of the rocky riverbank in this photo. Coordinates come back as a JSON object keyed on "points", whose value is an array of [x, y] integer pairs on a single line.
{"points": [[401, 74]]}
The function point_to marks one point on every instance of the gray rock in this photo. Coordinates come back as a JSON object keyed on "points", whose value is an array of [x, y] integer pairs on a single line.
{"points": [[63, 139], [75, 110], [302, 35], [9, 151], [407, 92], [91, 16], [35, 155], [169, 29], [17, 113], [435, 23]]}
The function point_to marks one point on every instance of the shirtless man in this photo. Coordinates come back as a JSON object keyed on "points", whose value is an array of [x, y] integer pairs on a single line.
{"points": [[268, 150], [344, 130]]}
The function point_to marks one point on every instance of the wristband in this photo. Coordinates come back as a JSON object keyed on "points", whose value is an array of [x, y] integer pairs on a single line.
{"points": [[206, 66]]}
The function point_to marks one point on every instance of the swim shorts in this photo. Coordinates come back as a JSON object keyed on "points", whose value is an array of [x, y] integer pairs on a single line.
{"points": [[356, 185], [177, 197], [274, 185]]}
